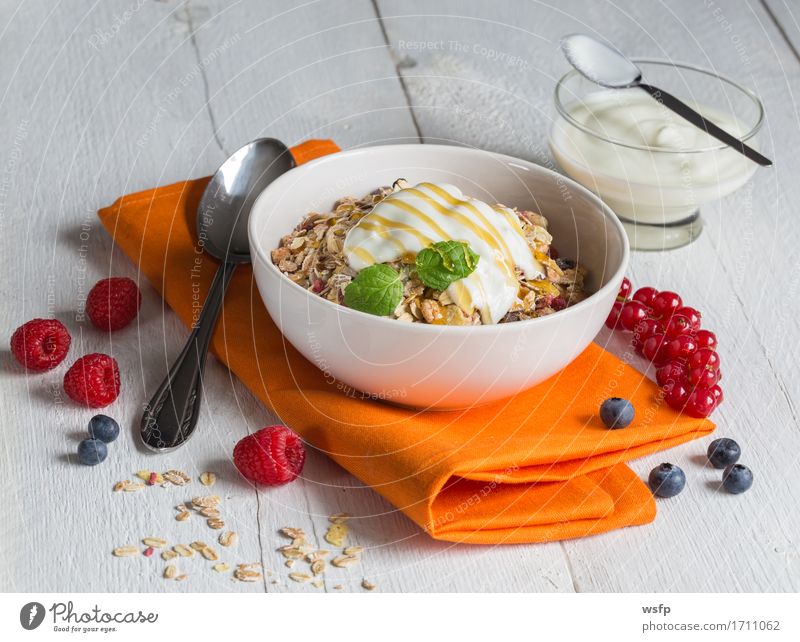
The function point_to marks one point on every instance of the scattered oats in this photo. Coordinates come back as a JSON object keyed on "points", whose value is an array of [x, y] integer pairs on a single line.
{"points": [[317, 583], [183, 550], [177, 477], [210, 554], [180, 578], [208, 501], [292, 533], [250, 565], [208, 479], [300, 542], [228, 538], [126, 551], [318, 567], [299, 577], [209, 512], [292, 552], [170, 572], [367, 585], [168, 555], [121, 485], [198, 546], [289, 563], [132, 488], [215, 523], [344, 560], [317, 555], [244, 573], [353, 550], [221, 567], [183, 515], [336, 534], [339, 518], [154, 542], [338, 587]]}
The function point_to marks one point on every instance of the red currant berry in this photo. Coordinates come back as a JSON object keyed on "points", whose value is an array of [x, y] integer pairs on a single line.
{"points": [[645, 295], [681, 347], [693, 315], [704, 358], [632, 313], [664, 304], [653, 349], [643, 331], [717, 392], [673, 371], [701, 403], [677, 325], [703, 378], [624, 289], [676, 395], [705, 339], [613, 316]]}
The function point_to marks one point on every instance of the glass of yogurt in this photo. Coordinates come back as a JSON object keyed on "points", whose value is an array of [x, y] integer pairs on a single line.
{"points": [[653, 168]]}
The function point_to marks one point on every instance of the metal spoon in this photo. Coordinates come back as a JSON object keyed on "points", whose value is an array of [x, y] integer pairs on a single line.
{"points": [[171, 416], [608, 67]]}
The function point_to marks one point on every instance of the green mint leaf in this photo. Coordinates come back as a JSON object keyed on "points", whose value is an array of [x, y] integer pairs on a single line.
{"points": [[445, 262], [375, 290]]}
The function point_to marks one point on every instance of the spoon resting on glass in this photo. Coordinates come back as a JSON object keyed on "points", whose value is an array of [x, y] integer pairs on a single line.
{"points": [[610, 68]]}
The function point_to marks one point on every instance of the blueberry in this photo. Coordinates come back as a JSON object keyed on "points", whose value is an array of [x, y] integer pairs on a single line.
{"points": [[104, 428], [737, 478], [723, 452], [92, 451], [616, 413], [666, 480], [565, 264]]}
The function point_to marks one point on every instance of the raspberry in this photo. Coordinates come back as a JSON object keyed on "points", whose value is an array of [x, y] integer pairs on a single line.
{"points": [[93, 380], [40, 344], [113, 303], [272, 456]]}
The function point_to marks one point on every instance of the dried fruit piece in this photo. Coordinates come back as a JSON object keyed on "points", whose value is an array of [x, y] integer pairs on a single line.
{"points": [[208, 479], [148, 552]]}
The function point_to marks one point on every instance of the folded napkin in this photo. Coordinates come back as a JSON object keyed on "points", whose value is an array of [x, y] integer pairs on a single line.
{"points": [[539, 467]]}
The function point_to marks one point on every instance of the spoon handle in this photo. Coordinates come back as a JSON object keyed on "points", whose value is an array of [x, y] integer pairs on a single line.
{"points": [[682, 109], [171, 416]]}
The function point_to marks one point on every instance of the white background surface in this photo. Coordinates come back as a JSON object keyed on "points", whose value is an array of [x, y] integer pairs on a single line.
{"points": [[97, 102]]}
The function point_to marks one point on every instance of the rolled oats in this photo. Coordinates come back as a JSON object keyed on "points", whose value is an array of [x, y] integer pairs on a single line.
{"points": [[228, 538], [215, 523], [208, 479], [154, 542], [125, 551], [337, 533]]}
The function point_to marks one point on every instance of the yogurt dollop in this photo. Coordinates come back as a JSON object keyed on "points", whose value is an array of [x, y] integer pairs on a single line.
{"points": [[414, 218]]}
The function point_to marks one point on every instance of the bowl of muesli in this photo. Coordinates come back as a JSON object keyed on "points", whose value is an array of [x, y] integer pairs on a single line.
{"points": [[434, 276]]}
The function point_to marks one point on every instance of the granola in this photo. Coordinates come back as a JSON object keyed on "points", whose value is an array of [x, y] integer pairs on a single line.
{"points": [[313, 256]]}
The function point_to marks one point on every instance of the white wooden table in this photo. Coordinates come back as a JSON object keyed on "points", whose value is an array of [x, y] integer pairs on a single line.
{"points": [[103, 98]]}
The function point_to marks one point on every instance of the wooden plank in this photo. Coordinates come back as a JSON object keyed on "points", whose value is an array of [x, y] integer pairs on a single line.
{"points": [[482, 75]]}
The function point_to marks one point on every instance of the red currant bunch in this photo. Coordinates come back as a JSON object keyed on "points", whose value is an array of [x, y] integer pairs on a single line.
{"points": [[670, 335]]}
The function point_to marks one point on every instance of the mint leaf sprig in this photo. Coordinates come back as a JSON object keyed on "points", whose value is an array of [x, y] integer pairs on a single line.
{"points": [[444, 263], [376, 290]]}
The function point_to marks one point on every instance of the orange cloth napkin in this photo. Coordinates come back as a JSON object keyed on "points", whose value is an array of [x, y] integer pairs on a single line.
{"points": [[536, 468]]}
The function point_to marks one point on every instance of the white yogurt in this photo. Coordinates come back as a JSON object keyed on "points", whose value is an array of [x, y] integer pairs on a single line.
{"points": [[662, 184], [414, 218]]}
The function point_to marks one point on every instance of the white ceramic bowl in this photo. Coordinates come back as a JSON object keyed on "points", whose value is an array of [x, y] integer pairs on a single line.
{"points": [[434, 366]]}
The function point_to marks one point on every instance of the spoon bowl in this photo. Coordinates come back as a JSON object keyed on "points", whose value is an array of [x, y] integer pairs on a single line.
{"points": [[604, 65]]}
